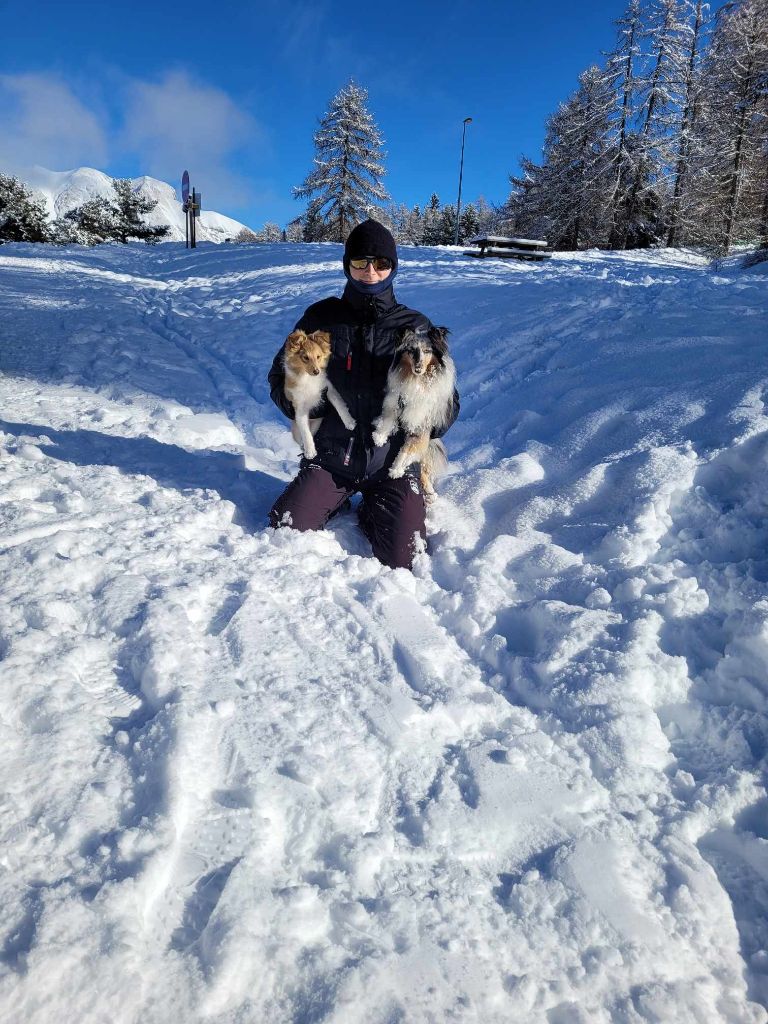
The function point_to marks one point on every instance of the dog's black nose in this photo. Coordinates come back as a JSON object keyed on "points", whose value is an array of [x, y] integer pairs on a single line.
{"points": [[315, 373]]}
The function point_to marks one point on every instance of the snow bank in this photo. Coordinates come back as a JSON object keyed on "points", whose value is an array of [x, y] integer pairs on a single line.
{"points": [[256, 776]]}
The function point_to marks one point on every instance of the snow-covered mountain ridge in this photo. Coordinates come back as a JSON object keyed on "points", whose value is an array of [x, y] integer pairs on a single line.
{"points": [[256, 777], [63, 191]]}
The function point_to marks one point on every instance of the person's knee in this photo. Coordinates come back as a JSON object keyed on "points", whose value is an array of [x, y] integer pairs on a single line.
{"points": [[395, 525], [279, 517], [307, 501], [300, 517]]}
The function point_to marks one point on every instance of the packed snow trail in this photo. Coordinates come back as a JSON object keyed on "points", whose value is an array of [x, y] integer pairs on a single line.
{"points": [[254, 776]]}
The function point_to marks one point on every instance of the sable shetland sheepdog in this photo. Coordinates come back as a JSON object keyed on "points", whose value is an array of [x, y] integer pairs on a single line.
{"points": [[305, 359], [419, 398]]}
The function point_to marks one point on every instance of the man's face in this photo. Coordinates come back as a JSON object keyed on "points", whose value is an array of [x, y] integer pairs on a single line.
{"points": [[370, 274]]}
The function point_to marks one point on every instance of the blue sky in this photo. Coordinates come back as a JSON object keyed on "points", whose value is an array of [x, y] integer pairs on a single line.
{"points": [[233, 91]]}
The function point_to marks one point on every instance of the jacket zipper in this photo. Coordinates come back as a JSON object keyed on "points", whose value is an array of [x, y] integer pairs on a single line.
{"points": [[348, 452]]}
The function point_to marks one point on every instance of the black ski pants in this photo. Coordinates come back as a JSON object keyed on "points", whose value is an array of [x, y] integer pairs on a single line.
{"points": [[391, 514]]}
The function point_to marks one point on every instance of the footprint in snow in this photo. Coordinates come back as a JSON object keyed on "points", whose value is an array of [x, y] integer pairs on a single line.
{"points": [[420, 647]]}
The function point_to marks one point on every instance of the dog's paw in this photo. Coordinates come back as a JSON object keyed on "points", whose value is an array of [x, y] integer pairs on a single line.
{"points": [[349, 423], [310, 451], [379, 438], [396, 472]]}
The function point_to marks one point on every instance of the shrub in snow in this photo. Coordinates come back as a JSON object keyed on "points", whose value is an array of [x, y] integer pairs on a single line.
{"points": [[22, 216], [246, 237], [100, 220]]}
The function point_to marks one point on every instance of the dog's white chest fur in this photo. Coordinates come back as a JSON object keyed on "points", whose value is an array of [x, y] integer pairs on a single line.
{"points": [[425, 400], [305, 389]]}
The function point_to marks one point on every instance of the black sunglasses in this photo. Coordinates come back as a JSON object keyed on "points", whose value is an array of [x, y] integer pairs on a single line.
{"points": [[379, 263]]}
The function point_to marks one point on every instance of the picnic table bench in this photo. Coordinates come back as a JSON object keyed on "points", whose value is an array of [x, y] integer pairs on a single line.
{"points": [[514, 248]]}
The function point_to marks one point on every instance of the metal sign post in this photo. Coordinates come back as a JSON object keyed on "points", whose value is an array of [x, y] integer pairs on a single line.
{"points": [[194, 213], [191, 208], [185, 203]]}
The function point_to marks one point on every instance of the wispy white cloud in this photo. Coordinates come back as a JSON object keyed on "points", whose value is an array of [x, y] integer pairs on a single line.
{"points": [[177, 122], [159, 127], [43, 122]]}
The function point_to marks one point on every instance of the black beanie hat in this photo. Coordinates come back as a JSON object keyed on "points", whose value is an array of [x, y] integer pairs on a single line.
{"points": [[370, 239]]}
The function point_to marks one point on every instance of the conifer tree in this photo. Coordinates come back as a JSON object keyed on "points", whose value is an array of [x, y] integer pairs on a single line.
{"points": [[245, 237], [415, 226], [733, 127], [22, 216], [469, 223], [431, 230], [129, 206], [94, 222], [346, 180], [693, 31], [294, 231], [446, 226], [269, 233], [655, 115], [621, 72], [100, 220], [567, 199]]}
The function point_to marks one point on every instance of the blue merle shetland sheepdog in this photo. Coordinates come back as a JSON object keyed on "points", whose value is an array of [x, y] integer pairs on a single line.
{"points": [[418, 400]]}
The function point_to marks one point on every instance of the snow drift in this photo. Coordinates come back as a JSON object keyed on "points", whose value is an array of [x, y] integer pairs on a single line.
{"points": [[254, 776]]}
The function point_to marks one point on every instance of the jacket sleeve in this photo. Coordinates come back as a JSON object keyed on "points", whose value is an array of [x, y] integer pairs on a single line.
{"points": [[454, 415]]}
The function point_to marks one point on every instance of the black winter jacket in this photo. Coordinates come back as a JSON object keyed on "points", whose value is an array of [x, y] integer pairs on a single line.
{"points": [[364, 331]]}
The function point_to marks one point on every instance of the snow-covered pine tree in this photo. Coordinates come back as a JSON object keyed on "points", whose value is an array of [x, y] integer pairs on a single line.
{"points": [[130, 205], [488, 216], [22, 216], [431, 229], [100, 220], [446, 226], [526, 211], [346, 180], [245, 237], [566, 199], [621, 73], [413, 228], [657, 82], [269, 233], [65, 232], [469, 223], [94, 222], [400, 217], [313, 227], [690, 48], [733, 127], [294, 231]]}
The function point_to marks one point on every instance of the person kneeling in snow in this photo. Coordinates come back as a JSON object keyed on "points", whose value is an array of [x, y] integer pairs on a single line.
{"points": [[364, 325]]}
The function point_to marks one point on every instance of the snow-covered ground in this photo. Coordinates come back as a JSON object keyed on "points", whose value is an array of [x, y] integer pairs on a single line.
{"points": [[256, 777]]}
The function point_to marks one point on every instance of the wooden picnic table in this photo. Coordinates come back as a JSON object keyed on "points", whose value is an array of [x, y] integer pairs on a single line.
{"points": [[514, 248]]}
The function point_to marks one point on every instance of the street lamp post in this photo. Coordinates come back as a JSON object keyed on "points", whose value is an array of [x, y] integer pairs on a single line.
{"points": [[467, 120]]}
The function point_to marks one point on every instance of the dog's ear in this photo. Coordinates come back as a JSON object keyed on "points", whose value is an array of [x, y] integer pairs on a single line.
{"points": [[438, 339], [322, 338], [405, 337], [294, 341]]}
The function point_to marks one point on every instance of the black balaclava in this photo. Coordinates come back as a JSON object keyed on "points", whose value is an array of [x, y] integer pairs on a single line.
{"points": [[370, 239]]}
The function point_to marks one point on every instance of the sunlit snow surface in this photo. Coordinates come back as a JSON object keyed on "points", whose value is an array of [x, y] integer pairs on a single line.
{"points": [[257, 777]]}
